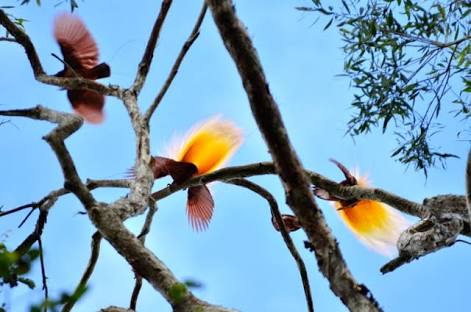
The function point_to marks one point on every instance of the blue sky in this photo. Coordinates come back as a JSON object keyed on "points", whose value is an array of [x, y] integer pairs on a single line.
{"points": [[242, 262]]}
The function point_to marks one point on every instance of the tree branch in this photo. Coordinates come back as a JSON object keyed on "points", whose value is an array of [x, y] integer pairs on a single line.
{"points": [[447, 218], [82, 285], [43, 271], [298, 194], [173, 72], [7, 39], [284, 233], [146, 61], [142, 237]]}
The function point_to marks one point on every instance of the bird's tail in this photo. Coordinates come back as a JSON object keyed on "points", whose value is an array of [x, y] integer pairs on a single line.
{"points": [[208, 145], [374, 223]]}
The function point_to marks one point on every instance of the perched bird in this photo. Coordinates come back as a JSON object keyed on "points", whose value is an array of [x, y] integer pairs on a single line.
{"points": [[204, 149], [374, 223], [80, 60]]}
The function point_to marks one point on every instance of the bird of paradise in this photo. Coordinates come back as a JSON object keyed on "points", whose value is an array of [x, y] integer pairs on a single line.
{"points": [[376, 224], [204, 149], [80, 54]]}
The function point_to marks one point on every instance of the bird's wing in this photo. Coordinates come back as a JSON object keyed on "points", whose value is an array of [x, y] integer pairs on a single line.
{"points": [[77, 44]]}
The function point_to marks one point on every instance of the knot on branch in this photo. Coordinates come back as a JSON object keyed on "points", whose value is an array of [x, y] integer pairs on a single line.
{"points": [[447, 217]]}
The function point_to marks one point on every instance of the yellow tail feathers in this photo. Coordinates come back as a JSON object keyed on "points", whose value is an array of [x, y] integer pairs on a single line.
{"points": [[374, 223], [209, 145]]}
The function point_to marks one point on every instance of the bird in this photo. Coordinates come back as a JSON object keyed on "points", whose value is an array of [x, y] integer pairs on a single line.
{"points": [[80, 54], [205, 148], [375, 224]]}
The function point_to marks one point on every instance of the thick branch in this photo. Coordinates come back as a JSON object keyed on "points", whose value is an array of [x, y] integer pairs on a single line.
{"points": [[144, 262], [173, 72], [295, 182], [447, 218], [146, 61], [284, 233], [142, 237]]}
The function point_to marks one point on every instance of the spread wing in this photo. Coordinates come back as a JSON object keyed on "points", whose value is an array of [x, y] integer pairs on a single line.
{"points": [[199, 207], [77, 44]]}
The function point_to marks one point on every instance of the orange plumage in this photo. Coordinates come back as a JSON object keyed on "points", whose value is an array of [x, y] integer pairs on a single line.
{"points": [[204, 149], [374, 223]]}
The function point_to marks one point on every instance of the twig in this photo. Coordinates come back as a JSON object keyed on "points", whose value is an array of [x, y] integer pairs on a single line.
{"points": [[284, 233], [288, 166], [13, 210], [95, 252], [26, 217], [142, 237], [25, 246], [146, 61], [43, 272], [173, 72], [7, 39]]}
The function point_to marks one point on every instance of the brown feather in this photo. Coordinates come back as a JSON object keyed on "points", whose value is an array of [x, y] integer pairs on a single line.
{"points": [[180, 171], [77, 44], [199, 207], [88, 104]]}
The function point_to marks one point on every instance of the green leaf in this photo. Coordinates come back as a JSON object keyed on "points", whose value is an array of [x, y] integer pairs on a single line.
{"points": [[28, 282], [328, 24]]}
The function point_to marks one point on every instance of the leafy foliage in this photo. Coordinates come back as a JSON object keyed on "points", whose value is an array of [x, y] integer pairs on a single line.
{"points": [[72, 3], [13, 266], [54, 305], [407, 60]]}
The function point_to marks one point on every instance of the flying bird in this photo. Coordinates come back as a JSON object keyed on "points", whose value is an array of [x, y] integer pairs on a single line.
{"points": [[204, 149], [376, 224], [80, 54]]}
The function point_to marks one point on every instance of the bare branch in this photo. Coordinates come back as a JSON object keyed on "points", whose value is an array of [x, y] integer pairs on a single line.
{"points": [[95, 252], [142, 237], [146, 61], [447, 218], [357, 192], [119, 183], [8, 39], [284, 233], [43, 271], [173, 72], [295, 182], [25, 246]]}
